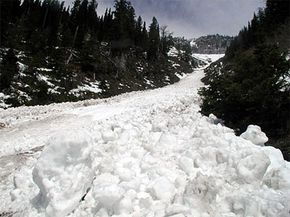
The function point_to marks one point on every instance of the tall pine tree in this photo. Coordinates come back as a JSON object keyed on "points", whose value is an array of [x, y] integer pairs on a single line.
{"points": [[153, 40]]}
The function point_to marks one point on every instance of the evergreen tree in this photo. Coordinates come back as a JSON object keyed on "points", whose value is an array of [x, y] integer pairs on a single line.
{"points": [[8, 70], [106, 26], [92, 16], [277, 11], [153, 40], [76, 22], [144, 40], [124, 20], [10, 11], [138, 33]]}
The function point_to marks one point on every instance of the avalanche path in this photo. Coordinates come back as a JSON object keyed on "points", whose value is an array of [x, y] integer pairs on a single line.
{"points": [[147, 153]]}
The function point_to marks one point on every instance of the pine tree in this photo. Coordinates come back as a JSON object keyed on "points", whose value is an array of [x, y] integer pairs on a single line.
{"points": [[277, 11], [8, 70], [153, 40], [138, 34], [92, 16], [144, 40], [124, 20], [106, 31], [10, 12], [76, 22]]}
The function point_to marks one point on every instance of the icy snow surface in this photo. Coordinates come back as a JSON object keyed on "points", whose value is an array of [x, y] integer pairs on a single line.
{"points": [[139, 154]]}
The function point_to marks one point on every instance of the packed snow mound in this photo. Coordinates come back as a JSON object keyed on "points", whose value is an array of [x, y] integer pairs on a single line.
{"points": [[63, 172], [255, 135], [151, 154]]}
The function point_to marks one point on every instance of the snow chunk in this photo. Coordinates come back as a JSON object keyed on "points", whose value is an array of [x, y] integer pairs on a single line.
{"points": [[163, 189], [107, 192], [186, 164], [63, 172], [253, 167], [108, 135], [255, 135], [108, 195]]}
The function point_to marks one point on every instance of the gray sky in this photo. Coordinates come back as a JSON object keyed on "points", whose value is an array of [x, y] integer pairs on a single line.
{"points": [[194, 18]]}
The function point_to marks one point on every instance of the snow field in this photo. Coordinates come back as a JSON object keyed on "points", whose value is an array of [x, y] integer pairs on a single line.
{"points": [[149, 154]]}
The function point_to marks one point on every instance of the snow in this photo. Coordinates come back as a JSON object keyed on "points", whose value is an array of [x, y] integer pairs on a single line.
{"points": [[54, 90], [173, 52], [22, 68], [255, 135], [2, 99], [193, 43], [181, 76], [45, 69], [162, 189], [148, 82], [175, 65], [92, 87], [44, 78], [147, 153], [63, 172]]}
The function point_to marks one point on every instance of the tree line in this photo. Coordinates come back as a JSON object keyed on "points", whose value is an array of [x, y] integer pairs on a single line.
{"points": [[37, 24]]}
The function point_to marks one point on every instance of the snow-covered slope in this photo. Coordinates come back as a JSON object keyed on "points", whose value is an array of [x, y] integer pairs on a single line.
{"points": [[139, 154]]}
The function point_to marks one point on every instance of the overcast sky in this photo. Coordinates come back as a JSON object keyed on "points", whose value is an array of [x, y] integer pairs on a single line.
{"points": [[194, 18]]}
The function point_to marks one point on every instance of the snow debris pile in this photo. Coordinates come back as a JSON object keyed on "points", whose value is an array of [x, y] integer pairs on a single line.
{"points": [[255, 135], [152, 154], [63, 172]]}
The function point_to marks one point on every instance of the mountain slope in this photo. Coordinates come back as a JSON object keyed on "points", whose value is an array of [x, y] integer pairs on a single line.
{"points": [[50, 53], [138, 154], [39, 82], [211, 44]]}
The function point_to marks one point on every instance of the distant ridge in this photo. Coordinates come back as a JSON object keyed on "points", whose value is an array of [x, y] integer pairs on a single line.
{"points": [[211, 44]]}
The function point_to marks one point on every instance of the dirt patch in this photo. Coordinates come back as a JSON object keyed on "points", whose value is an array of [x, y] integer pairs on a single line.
{"points": [[6, 214], [2, 125]]}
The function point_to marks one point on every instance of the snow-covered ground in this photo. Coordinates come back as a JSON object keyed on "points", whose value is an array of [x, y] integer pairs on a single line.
{"points": [[147, 153]]}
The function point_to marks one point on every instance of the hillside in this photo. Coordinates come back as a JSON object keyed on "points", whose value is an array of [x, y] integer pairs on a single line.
{"points": [[41, 83], [211, 44], [250, 85], [50, 53]]}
